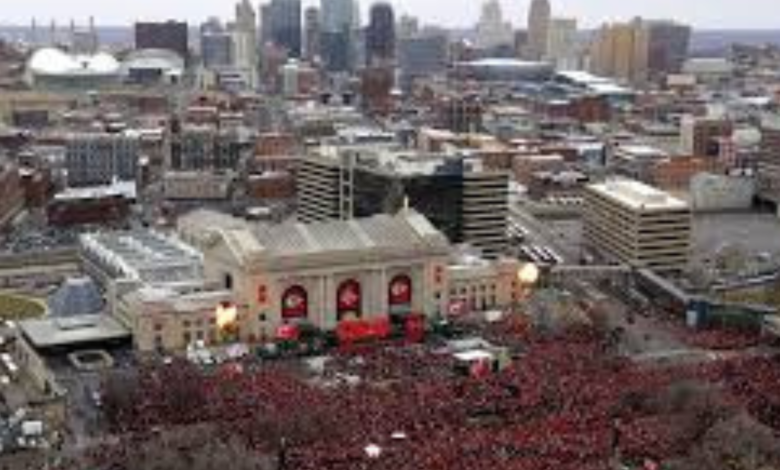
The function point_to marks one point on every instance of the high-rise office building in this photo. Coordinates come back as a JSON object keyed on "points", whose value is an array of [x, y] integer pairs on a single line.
{"points": [[668, 47], [407, 27], [101, 158], [339, 23], [312, 33], [265, 24], [170, 35], [216, 45], [380, 35], [621, 51], [245, 41], [520, 42], [423, 54], [629, 222], [284, 26], [471, 203], [538, 25], [339, 14], [492, 31], [562, 44]]}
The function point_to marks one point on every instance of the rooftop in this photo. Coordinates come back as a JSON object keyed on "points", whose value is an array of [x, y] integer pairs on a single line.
{"points": [[383, 231], [405, 233], [55, 62], [71, 331], [500, 62], [407, 162], [583, 77], [126, 189], [143, 255], [638, 196], [770, 122], [164, 300], [641, 151], [594, 83]]}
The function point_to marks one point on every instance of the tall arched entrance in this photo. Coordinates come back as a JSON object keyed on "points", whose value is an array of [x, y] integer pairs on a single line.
{"points": [[295, 304], [399, 295], [349, 300]]}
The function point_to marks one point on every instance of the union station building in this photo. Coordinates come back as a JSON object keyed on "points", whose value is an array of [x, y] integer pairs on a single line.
{"points": [[320, 273], [174, 290]]}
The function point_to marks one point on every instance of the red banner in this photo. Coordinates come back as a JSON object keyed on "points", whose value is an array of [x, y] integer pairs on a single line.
{"points": [[356, 331], [400, 291], [348, 301], [295, 303], [288, 333]]}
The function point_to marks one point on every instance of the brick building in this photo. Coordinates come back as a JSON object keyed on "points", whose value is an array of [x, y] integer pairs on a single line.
{"points": [[676, 173]]}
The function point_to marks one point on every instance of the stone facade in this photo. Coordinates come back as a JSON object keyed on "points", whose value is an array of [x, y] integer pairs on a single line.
{"points": [[326, 272]]}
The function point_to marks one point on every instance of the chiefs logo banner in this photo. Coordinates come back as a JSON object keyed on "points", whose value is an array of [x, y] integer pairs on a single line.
{"points": [[295, 303]]}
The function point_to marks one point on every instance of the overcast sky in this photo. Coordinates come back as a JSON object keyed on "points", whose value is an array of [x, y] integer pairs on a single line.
{"points": [[764, 14]]}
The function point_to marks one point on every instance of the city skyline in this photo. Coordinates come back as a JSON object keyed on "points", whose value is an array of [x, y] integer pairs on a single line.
{"points": [[702, 14]]}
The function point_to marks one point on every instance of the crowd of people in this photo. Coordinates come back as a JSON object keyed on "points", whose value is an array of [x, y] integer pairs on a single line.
{"points": [[564, 403]]}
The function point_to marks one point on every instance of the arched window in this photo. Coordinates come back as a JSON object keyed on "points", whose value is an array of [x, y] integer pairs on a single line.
{"points": [[295, 303], [349, 300], [227, 281], [399, 294]]}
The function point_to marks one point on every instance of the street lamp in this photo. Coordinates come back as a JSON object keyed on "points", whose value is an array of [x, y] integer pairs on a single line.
{"points": [[226, 315], [527, 276]]}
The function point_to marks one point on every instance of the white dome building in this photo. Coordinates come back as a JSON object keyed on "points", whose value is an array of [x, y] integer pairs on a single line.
{"points": [[54, 68]]}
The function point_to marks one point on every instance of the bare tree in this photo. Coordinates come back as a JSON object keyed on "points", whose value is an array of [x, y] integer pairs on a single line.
{"points": [[184, 448], [119, 392], [739, 443]]}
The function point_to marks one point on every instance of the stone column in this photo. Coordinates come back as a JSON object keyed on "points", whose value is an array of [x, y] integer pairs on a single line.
{"points": [[383, 289]]}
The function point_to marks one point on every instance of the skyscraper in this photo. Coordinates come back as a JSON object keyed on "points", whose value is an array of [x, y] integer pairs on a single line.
{"points": [[339, 24], [668, 47], [562, 43], [216, 45], [538, 26], [422, 54], [265, 23], [380, 35], [620, 50], [284, 28], [312, 32], [171, 35], [492, 30], [408, 26], [245, 40]]}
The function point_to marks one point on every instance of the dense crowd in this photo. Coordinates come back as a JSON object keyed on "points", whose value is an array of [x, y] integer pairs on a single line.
{"points": [[714, 337], [564, 403]]}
